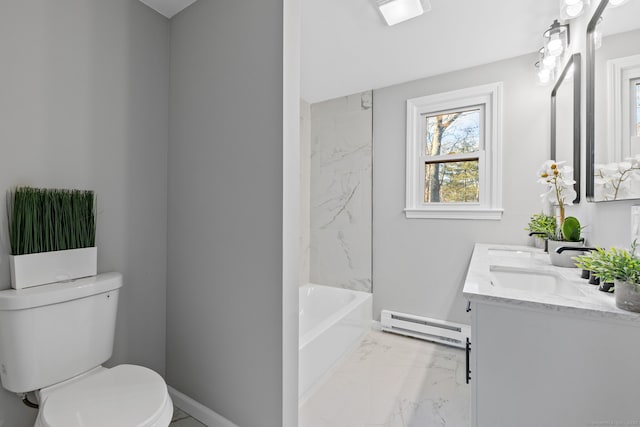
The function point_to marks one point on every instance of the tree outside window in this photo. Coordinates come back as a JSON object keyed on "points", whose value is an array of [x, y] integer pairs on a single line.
{"points": [[452, 142]]}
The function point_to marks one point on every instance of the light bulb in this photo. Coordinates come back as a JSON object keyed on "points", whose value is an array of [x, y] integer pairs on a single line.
{"points": [[544, 76], [574, 10], [549, 62], [555, 45], [615, 3]]}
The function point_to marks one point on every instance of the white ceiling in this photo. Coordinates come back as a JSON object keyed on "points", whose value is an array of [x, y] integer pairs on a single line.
{"points": [[347, 47], [168, 7]]}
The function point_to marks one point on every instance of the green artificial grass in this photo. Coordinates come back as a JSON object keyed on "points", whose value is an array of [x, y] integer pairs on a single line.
{"points": [[46, 220]]}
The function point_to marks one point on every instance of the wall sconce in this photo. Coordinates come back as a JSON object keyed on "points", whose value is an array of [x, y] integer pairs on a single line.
{"points": [[551, 56], [557, 38], [396, 11], [570, 9], [546, 66]]}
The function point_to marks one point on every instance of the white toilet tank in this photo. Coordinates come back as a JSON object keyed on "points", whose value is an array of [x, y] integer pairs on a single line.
{"points": [[54, 332]]}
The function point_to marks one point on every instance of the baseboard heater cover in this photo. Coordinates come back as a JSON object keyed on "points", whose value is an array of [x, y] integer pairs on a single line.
{"points": [[439, 331]]}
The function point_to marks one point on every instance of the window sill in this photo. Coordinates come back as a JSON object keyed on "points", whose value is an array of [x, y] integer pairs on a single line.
{"points": [[454, 213]]}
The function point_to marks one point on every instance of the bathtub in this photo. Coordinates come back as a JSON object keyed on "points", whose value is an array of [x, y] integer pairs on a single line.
{"points": [[332, 321]]}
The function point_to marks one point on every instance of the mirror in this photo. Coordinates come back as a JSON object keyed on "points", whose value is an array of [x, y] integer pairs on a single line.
{"points": [[613, 102], [565, 119]]}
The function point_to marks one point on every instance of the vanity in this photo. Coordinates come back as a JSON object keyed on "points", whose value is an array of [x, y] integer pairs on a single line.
{"points": [[547, 348]]}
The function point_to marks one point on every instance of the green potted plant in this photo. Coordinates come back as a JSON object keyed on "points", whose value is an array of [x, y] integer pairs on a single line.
{"points": [[597, 263], [556, 177], [541, 227], [52, 235], [623, 268], [586, 263]]}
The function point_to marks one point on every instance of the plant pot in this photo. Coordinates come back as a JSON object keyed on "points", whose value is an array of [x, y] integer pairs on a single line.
{"points": [[50, 267], [627, 296], [565, 259], [585, 274], [593, 279], [606, 287]]}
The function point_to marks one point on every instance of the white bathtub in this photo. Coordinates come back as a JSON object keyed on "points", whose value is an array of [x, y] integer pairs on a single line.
{"points": [[332, 321]]}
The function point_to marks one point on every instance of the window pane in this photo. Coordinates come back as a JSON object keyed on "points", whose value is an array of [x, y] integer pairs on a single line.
{"points": [[452, 182], [452, 133]]}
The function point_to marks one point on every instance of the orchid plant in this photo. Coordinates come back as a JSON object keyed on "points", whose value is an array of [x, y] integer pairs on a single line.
{"points": [[558, 179], [618, 180]]}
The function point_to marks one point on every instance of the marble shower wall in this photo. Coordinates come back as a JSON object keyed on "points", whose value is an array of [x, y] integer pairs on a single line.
{"points": [[340, 197]]}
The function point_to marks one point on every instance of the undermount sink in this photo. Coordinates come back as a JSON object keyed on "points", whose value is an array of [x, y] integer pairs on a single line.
{"points": [[510, 253], [533, 281]]}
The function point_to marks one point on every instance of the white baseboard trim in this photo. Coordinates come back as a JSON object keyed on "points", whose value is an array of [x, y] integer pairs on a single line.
{"points": [[198, 411]]}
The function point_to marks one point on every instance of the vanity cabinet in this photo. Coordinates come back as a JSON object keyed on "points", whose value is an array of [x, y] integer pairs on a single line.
{"points": [[550, 367]]}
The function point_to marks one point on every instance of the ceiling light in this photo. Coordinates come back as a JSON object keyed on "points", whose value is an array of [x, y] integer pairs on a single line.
{"points": [[396, 11]]}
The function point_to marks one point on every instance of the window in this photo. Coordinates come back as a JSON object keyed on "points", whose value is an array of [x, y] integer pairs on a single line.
{"points": [[452, 150], [453, 154]]}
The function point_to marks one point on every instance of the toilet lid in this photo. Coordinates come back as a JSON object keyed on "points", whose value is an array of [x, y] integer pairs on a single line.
{"points": [[126, 396]]}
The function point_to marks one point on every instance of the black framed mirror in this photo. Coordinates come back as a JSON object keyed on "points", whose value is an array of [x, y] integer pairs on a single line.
{"points": [[565, 119], [613, 102]]}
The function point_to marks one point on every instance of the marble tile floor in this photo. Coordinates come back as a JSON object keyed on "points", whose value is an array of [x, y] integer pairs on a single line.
{"points": [[393, 381], [182, 419]]}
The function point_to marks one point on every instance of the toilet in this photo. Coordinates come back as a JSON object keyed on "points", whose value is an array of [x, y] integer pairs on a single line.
{"points": [[53, 342]]}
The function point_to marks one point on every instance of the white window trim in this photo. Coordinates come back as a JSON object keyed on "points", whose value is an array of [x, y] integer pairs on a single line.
{"points": [[620, 73], [490, 166], [634, 138]]}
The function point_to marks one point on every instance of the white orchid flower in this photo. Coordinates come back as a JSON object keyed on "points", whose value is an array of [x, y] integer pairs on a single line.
{"points": [[558, 178], [617, 180]]}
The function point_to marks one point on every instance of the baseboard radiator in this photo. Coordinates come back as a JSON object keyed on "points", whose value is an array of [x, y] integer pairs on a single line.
{"points": [[439, 331]]}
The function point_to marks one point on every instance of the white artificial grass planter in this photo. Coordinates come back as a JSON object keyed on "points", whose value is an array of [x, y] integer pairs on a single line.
{"points": [[50, 267]]}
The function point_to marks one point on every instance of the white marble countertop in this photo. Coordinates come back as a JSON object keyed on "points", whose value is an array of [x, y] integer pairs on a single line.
{"points": [[587, 301]]}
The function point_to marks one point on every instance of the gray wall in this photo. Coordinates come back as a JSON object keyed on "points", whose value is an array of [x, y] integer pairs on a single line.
{"points": [[419, 265], [84, 103], [340, 195], [224, 311]]}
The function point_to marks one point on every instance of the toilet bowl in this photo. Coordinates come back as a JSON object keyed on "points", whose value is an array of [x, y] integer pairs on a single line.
{"points": [[123, 396], [53, 341]]}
